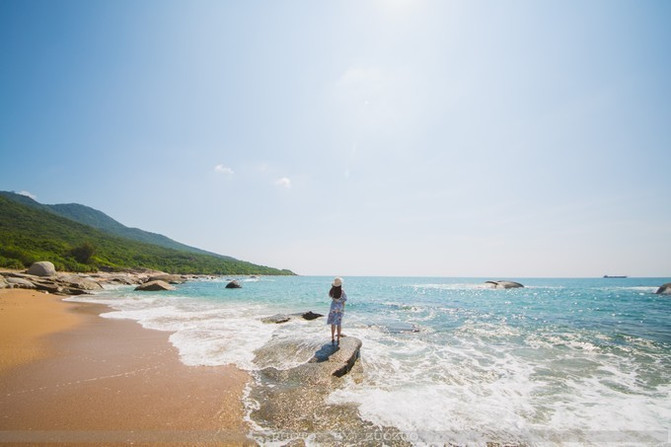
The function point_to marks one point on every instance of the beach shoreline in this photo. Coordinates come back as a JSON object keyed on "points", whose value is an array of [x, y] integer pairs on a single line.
{"points": [[70, 376]]}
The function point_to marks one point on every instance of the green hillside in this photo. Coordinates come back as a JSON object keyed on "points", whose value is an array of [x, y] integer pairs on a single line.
{"points": [[29, 234], [97, 219]]}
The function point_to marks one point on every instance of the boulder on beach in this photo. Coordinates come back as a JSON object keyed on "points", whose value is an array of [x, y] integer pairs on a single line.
{"points": [[153, 286], [309, 315], [171, 279], [504, 284], [3, 282], [233, 285], [79, 282], [42, 268], [665, 289], [123, 278]]}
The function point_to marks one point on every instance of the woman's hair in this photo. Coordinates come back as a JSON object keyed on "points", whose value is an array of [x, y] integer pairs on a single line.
{"points": [[335, 292]]}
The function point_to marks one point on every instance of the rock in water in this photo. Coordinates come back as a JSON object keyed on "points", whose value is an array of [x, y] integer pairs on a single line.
{"points": [[340, 358], [665, 289], [155, 286], [311, 315], [283, 318], [400, 327], [233, 285], [509, 284], [504, 284], [277, 319], [42, 268], [329, 361], [295, 399]]}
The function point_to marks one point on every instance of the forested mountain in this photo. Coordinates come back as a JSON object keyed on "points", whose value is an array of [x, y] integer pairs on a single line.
{"points": [[97, 219], [30, 231]]}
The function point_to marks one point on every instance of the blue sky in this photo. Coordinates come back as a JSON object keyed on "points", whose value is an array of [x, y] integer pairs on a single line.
{"points": [[367, 137]]}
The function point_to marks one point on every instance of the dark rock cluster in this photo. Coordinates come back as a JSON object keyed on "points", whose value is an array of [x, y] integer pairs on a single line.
{"points": [[283, 318]]}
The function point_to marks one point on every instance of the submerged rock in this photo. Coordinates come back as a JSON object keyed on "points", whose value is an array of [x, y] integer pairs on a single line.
{"points": [[504, 284], [283, 318], [42, 268], [155, 286], [665, 289], [400, 327], [277, 319]]}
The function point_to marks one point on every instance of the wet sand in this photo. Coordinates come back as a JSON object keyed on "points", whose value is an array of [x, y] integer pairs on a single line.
{"points": [[69, 376]]}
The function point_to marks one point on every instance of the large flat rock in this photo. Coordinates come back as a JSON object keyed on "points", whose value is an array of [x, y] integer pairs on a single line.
{"points": [[295, 400], [328, 361]]}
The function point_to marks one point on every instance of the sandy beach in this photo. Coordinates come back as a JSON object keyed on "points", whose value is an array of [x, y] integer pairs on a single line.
{"points": [[69, 376]]}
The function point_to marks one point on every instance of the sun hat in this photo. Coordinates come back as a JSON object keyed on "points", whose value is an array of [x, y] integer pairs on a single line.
{"points": [[337, 282]]}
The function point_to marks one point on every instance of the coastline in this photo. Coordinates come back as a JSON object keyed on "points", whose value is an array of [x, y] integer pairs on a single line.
{"points": [[70, 376]]}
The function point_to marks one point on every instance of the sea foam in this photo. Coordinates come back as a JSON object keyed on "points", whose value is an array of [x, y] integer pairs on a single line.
{"points": [[560, 361]]}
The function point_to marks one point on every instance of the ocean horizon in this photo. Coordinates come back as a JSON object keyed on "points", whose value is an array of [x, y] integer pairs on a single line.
{"points": [[561, 361]]}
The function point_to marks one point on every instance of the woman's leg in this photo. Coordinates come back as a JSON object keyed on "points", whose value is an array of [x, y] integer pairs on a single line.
{"points": [[339, 328], [333, 332]]}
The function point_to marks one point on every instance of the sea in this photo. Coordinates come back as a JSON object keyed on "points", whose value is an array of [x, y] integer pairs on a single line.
{"points": [[444, 361]]}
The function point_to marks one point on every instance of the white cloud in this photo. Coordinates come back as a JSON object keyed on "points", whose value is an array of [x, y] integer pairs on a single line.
{"points": [[284, 182], [27, 194], [223, 169]]}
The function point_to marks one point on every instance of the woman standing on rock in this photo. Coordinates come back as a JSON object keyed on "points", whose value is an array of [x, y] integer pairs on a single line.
{"points": [[338, 298]]}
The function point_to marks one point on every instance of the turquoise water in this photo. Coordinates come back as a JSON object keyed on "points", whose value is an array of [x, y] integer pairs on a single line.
{"points": [[447, 360]]}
